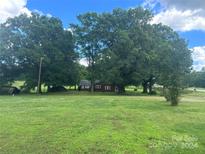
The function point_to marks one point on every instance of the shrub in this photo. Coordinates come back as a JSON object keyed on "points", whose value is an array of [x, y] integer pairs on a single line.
{"points": [[172, 94], [57, 89]]}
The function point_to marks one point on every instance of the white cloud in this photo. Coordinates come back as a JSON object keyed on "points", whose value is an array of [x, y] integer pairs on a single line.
{"points": [[186, 20], [184, 4], [178, 4], [12, 8], [198, 57], [181, 15]]}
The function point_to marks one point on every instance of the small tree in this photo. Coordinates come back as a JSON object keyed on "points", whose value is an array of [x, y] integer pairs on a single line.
{"points": [[174, 62]]}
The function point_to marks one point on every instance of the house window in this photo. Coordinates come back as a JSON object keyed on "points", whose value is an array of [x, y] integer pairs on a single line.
{"points": [[98, 86], [108, 88], [87, 87]]}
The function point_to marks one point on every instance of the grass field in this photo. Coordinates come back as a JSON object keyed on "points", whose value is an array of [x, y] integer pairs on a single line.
{"points": [[101, 124]]}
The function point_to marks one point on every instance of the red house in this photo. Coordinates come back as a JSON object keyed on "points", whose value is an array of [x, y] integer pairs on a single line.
{"points": [[85, 85]]}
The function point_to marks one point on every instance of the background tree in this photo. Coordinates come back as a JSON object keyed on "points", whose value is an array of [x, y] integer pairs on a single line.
{"points": [[88, 42], [196, 79], [123, 48], [83, 72], [39, 36], [119, 37], [9, 69]]}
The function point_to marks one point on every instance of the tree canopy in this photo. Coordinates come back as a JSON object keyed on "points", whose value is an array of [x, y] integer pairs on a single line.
{"points": [[121, 47], [196, 79], [26, 39]]}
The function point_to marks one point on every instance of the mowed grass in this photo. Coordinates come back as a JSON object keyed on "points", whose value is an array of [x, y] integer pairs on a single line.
{"points": [[101, 124]]}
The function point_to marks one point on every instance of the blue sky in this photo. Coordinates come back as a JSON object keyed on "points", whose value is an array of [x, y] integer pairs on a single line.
{"points": [[195, 37], [67, 10], [187, 17]]}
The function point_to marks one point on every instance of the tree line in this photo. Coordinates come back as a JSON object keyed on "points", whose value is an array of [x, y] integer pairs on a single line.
{"points": [[196, 79], [121, 47]]}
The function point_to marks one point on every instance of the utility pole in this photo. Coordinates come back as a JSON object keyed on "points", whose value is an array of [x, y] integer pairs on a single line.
{"points": [[39, 76]]}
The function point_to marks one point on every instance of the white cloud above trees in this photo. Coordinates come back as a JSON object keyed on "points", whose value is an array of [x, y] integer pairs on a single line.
{"points": [[12, 8], [198, 57], [178, 4], [184, 4], [179, 20], [181, 15]]}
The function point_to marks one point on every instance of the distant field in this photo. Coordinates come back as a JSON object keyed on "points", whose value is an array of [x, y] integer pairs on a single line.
{"points": [[197, 89], [101, 124]]}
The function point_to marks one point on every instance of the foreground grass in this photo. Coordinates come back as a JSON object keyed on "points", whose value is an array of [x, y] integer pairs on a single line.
{"points": [[101, 124]]}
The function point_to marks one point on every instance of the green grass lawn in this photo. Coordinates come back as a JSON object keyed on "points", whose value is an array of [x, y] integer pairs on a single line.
{"points": [[101, 124]]}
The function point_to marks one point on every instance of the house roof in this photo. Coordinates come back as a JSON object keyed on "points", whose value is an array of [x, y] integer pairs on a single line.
{"points": [[85, 83]]}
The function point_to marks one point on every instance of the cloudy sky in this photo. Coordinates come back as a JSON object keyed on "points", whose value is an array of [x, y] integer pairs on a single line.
{"points": [[187, 17]]}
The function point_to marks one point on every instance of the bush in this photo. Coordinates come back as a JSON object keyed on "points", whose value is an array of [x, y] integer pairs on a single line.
{"points": [[57, 89], [172, 94]]}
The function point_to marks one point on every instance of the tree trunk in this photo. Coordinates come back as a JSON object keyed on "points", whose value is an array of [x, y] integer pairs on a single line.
{"points": [[48, 89], [145, 87], [92, 73], [121, 88], [150, 85], [150, 88], [39, 77], [39, 89], [92, 86], [174, 96]]}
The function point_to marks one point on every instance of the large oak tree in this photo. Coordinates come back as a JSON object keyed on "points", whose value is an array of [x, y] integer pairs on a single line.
{"points": [[28, 39]]}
